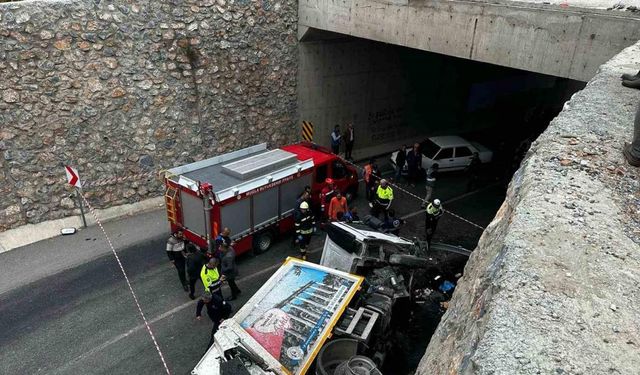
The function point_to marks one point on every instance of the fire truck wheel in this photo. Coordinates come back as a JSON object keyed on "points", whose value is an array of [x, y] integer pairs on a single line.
{"points": [[262, 242]]}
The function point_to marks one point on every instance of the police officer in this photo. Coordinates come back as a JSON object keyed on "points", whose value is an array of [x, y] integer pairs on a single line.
{"points": [[211, 277], [304, 223], [175, 252], [433, 213], [384, 197], [217, 309]]}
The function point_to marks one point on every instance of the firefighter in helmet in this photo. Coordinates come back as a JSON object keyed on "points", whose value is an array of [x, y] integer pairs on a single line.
{"points": [[305, 223]]}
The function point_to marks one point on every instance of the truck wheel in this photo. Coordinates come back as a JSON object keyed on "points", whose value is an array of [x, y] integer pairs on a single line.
{"points": [[262, 242]]}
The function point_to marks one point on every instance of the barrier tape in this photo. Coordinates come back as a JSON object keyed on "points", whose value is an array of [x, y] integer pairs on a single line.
{"points": [[115, 180], [395, 186], [135, 298]]}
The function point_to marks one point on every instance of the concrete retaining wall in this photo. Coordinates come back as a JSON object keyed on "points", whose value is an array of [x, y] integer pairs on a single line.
{"points": [[554, 284], [126, 87]]}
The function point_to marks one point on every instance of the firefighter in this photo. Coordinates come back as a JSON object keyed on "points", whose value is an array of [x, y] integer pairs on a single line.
{"points": [[175, 252], [326, 194], [211, 277], [383, 199], [433, 213], [304, 223]]}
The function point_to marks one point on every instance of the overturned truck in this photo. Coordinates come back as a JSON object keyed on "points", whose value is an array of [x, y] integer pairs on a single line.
{"points": [[331, 318]]}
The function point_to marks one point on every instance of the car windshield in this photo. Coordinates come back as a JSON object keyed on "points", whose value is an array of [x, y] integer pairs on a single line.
{"points": [[429, 149]]}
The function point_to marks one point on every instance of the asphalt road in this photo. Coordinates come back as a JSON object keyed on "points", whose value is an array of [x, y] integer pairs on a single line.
{"points": [[81, 318]]}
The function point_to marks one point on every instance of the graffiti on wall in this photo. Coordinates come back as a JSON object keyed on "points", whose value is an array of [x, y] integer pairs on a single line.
{"points": [[389, 124]]}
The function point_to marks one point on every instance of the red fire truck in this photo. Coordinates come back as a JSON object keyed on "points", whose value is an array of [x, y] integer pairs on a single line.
{"points": [[252, 191]]}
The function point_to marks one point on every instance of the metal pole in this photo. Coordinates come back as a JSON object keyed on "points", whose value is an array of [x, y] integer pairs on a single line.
{"points": [[84, 221], [207, 221]]}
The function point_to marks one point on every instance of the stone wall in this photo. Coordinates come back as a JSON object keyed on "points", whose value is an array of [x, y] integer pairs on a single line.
{"points": [[553, 285], [126, 87]]}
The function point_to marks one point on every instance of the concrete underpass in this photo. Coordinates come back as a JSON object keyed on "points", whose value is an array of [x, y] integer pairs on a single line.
{"points": [[552, 286]]}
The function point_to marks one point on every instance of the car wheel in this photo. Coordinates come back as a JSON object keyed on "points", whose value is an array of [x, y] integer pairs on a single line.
{"points": [[262, 242]]}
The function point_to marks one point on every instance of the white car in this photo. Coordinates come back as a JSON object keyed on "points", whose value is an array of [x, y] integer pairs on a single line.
{"points": [[451, 153]]}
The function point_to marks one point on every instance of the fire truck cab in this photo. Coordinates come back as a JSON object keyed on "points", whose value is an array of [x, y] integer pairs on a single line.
{"points": [[252, 191]]}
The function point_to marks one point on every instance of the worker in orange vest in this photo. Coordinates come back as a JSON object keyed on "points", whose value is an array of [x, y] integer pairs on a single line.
{"points": [[338, 204]]}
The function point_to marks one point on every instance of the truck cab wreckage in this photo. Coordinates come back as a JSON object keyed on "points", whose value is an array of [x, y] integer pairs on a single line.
{"points": [[331, 318]]}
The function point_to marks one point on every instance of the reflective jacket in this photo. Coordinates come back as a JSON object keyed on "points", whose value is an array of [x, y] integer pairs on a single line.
{"points": [[304, 222], [384, 195], [433, 211], [210, 279]]}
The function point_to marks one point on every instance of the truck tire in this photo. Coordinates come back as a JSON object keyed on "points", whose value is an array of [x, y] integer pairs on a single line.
{"points": [[262, 242]]}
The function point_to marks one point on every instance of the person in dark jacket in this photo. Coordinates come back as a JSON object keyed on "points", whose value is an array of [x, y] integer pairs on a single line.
{"points": [[352, 215], [223, 238], [401, 160], [175, 253], [414, 163], [473, 170], [392, 223], [217, 309], [349, 140], [230, 269], [195, 261]]}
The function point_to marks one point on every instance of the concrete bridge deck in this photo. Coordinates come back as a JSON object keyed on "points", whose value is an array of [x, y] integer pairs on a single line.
{"points": [[564, 39]]}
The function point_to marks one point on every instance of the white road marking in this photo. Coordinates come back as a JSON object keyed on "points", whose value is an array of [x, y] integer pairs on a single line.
{"points": [[179, 308], [160, 317], [459, 197]]}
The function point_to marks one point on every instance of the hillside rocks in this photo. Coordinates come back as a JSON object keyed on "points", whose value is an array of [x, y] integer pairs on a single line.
{"points": [[121, 88]]}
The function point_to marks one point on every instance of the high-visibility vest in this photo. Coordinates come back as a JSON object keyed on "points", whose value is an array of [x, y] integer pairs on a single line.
{"points": [[385, 195], [210, 279], [433, 210]]}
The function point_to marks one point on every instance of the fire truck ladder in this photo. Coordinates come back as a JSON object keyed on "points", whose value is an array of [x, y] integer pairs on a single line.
{"points": [[170, 201]]}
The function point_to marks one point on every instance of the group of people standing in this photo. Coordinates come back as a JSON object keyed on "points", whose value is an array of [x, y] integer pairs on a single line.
{"points": [[333, 207], [348, 138], [212, 268]]}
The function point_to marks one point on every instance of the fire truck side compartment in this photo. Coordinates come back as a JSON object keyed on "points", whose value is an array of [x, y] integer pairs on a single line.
{"points": [[236, 216], [265, 207], [193, 213]]}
